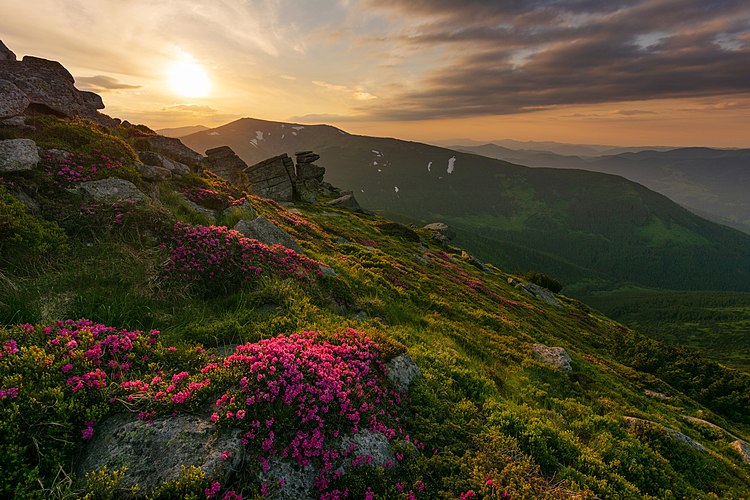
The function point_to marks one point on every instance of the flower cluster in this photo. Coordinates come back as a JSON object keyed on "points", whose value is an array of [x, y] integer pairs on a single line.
{"points": [[215, 258], [72, 168]]}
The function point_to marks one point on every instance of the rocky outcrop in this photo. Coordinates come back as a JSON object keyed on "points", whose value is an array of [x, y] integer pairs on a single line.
{"points": [[555, 356], [112, 189], [540, 293], [17, 155], [223, 162], [267, 232], [272, 178], [674, 434], [49, 87], [154, 452], [402, 371], [347, 202], [13, 101], [174, 149]]}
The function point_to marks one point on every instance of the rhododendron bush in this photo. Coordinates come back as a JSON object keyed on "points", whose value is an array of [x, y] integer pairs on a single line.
{"points": [[215, 258]]}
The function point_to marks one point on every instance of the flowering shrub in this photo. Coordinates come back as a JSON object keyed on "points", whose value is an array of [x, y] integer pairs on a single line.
{"points": [[214, 258], [72, 168]]}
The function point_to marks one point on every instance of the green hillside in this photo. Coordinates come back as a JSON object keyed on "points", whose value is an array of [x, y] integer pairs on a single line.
{"points": [[188, 320]]}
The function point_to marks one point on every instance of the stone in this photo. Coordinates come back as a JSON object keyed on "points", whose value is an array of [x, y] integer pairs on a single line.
{"points": [[442, 229], [555, 356], [347, 202], [5, 53], [674, 434], [50, 88], [174, 149], [272, 178], [112, 189], [743, 449], [540, 293], [267, 232], [226, 164], [153, 173], [18, 155], [12, 101], [154, 452], [402, 371]]}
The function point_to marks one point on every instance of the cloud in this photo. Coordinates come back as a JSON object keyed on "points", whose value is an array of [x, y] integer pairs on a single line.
{"points": [[102, 83], [515, 57]]}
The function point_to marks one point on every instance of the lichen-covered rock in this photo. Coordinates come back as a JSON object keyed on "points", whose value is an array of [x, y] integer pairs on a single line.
{"points": [[112, 189], [402, 371], [154, 452], [555, 356], [540, 293], [18, 155], [674, 434], [267, 232], [12, 101], [347, 202]]}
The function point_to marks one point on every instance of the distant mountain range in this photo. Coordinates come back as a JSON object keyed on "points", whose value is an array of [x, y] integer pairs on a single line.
{"points": [[591, 230], [713, 183]]}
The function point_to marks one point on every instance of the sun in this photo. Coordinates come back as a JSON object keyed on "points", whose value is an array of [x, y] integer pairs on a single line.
{"points": [[188, 78]]}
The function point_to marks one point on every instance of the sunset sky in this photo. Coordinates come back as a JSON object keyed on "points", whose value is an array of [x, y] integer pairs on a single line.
{"points": [[625, 72]]}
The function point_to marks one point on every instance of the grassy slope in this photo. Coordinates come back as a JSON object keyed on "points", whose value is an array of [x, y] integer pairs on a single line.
{"points": [[484, 403]]}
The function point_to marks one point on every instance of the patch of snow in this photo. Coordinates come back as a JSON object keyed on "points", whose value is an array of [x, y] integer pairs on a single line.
{"points": [[451, 164], [429, 166], [259, 135], [213, 133], [396, 188], [298, 128]]}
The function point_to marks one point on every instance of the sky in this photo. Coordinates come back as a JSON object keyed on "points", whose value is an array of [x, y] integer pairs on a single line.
{"points": [[620, 72]]}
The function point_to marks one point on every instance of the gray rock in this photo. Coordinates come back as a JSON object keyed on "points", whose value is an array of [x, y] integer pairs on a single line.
{"points": [[174, 149], [743, 449], [18, 155], [153, 453], [226, 164], [402, 371], [540, 293], [267, 232], [112, 189], [347, 202], [152, 172], [12, 101], [272, 178], [674, 434], [555, 356], [442, 229], [5, 53]]}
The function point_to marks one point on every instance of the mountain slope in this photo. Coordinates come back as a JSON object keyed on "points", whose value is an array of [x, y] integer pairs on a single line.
{"points": [[592, 231]]}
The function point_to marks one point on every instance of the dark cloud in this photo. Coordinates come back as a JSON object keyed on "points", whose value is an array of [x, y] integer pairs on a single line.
{"points": [[101, 83], [521, 56]]}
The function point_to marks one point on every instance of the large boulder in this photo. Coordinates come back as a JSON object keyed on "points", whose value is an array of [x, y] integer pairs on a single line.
{"points": [[267, 232], [13, 102], [17, 155], [112, 189], [154, 452], [272, 178], [226, 164], [555, 356], [347, 202]]}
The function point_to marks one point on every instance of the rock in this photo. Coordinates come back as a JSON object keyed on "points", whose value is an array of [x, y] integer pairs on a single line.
{"points": [[656, 395], [272, 178], [174, 149], [12, 101], [5, 53], [555, 356], [152, 172], [674, 434], [540, 293], [442, 229], [347, 202], [267, 232], [402, 371], [112, 189], [18, 155], [743, 449], [226, 164], [153, 453], [49, 87]]}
